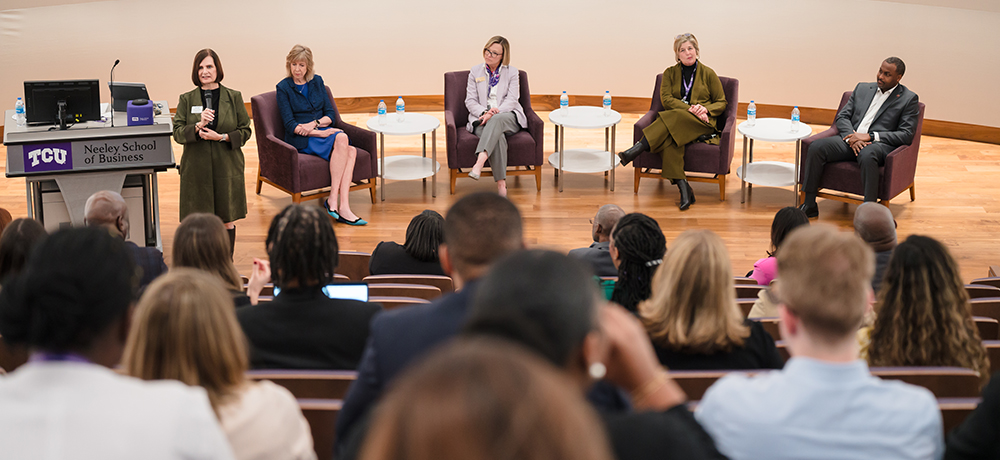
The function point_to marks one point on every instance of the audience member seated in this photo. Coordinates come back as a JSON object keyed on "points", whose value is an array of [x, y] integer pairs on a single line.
{"points": [[824, 403], [534, 298], [786, 220], [479, 229], [5, 219], [16, 243], [71, 306], [107, 209], [184, 328], [692, 316], [637, 246], [875, 225], [976, 437], [483, 399], [922, 315], [418, 255], [302, 328], [201, 242], [598, 254]]}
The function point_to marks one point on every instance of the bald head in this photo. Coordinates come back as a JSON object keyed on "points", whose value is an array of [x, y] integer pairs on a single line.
{"points": [[605, 220], [107, 208], [874, 224]]}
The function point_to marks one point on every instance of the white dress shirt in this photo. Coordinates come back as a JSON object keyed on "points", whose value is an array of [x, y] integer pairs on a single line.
{"points": [[869, 118], [68, 410], [821, 410]]}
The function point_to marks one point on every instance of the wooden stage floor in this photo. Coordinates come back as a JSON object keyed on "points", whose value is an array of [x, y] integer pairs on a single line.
{"points": [[958, 201]]}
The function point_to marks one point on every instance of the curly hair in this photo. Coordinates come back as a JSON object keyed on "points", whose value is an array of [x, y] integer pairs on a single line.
{"points": [[641, 245], [302, 247], [923, 314]]}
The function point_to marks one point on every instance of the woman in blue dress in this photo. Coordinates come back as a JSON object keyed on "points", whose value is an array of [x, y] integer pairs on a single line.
{"points": [[308, 114]]}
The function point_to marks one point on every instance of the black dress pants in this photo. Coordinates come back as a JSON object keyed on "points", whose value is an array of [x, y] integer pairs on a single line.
{"points": [[834, 149]]}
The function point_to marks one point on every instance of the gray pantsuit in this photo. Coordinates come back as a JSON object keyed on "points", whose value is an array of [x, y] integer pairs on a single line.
{"points": [[493, 140]]}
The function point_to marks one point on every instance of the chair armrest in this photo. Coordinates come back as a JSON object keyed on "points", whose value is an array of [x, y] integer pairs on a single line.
{"points": [[360, 137], [537, 129], [900, 168], [642, 124], [727, 143], [451, 138], [830, 132], [278, 160]]}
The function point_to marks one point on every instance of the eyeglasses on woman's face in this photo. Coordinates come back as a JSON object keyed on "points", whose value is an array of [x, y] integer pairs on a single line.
{"points": [[491, 54]]}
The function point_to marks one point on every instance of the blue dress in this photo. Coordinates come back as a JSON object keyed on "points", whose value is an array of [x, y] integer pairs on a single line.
{"points": [[319, 146]]}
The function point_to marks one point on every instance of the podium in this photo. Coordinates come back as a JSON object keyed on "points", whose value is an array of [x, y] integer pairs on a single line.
{"points": [[62, 168]]}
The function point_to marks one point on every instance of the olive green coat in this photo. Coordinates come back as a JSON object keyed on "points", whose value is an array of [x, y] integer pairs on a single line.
{"points": [[212, 178], [675, 127]]}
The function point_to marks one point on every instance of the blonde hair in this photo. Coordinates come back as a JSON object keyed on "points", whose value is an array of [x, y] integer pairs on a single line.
{"points": [[300, 53], [825, 280], [506, 48], [201, 242], [184, 328], [682, 39], [693, 303]]}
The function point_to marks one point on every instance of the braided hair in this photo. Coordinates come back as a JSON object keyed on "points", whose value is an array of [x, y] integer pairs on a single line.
{"points": [[641, 245], [302, 247]]}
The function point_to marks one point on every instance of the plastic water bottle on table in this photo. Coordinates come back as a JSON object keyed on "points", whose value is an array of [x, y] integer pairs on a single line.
{"points": [[381, 112], [400, 109], [751, 114], [607, 103]]}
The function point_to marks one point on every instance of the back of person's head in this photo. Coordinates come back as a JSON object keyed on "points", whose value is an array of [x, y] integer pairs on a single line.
{"points": [[605, 219], [541, 299], [693, 305], [16, 243], [201, 242], [484, 399], [825, 281], [77, 283], [923, 313], [107, 208], [424, 236], [875, 225], [479, 229], [184, 328], [785, 220], [640, 245], [302, 247]]}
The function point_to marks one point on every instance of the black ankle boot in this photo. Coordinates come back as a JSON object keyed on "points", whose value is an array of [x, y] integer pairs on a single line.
{"points": [[687, 194], [232, 241], [628, 155]]}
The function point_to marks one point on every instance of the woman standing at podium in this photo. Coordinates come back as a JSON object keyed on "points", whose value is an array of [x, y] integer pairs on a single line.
{"points": [[212, 123]]}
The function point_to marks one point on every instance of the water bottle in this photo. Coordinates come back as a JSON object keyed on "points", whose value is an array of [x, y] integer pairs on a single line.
{"points": [[751, 114], [795, 119], [564, 104], [19, 112], [400, 109], [607, 103], [381, 112]]}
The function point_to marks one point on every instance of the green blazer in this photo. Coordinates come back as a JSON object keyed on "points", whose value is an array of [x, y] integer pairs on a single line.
{"points": [[707, 91], [212, 173]]}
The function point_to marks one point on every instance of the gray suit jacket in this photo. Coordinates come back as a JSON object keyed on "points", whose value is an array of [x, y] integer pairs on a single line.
{"points": [[895, 122], [598, 256], [477, 93]]}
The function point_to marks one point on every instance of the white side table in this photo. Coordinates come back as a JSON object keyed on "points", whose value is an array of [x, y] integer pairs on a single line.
{"points": [[407, 167], [770, 173], [584, 160]]}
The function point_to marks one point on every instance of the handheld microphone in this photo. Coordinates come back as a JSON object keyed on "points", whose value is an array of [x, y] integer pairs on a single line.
{"points": [[208, 100], [112, 89]]}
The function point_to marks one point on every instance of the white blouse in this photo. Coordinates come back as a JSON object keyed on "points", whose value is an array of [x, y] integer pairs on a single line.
{"points": [[265, 422]]}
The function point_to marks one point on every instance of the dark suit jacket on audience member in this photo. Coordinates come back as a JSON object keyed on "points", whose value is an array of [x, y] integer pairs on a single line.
{"points": [[598, 256], [398, 337], [389, 258], [673, 433], [758, 352], [881, 261], [149, 260], [304, 329], [976, 437]]}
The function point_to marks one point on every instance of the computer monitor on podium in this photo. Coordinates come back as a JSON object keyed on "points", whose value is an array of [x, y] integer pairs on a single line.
{"points": [[62, 102]]}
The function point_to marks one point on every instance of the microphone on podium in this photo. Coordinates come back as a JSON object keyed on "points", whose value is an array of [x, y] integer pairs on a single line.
{"points": [[112, 89]]}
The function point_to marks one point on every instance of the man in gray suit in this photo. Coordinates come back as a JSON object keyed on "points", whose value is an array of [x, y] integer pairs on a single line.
{"points": [[878, 118], [597, 255]]}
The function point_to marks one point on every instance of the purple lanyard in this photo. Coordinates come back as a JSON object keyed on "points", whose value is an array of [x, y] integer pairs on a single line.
{"points": [[494, 77], [688, 84], [41, 356]]}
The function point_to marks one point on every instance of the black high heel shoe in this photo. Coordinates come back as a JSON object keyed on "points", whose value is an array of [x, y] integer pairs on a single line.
{"points": [[687, 194], [632, 152]]}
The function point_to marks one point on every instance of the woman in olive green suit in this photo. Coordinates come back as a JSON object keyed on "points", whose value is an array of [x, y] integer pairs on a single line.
{"points": [[212, 123], [692, 97]]}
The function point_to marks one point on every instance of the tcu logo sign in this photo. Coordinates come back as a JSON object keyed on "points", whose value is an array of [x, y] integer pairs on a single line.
{"points": [[48, 157]]}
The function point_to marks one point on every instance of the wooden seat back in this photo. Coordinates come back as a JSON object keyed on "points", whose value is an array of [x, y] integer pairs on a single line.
{"points": [[322, 417], [419, 291], [977, 291], [309, 384], [444, 283], [391, 302], [353, 264], [944, 382]]}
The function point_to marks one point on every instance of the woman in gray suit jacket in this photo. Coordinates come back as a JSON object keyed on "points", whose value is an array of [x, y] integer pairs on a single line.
{"points": [[494, 110]]}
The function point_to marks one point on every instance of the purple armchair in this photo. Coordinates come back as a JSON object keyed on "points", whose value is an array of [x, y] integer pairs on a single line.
{"points": [[699, 157], [301, 175], [524, 148], [845, 176]]}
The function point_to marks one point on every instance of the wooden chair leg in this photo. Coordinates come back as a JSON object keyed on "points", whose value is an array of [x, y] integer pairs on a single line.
{"points": [[371, 189], [636, 173], [538, 178], [722, 187], [454, 177], [913, 192], [259, 182], [296, 198]]}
